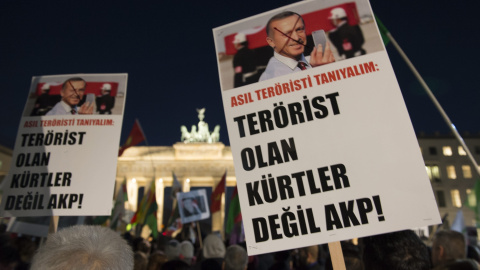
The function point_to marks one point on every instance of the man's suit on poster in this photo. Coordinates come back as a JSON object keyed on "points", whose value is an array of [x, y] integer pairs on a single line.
{"points": [[61, 108], [280, 65]]}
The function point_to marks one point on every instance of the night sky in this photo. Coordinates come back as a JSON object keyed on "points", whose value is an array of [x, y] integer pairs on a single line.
{"points": [[168, 51]]}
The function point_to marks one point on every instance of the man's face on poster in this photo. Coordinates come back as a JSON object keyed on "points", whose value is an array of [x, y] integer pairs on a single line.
{"points": [[281, 30], [73, 96], [188, 205]]}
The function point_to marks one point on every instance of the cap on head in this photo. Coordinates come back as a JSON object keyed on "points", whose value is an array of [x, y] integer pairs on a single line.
{"points": [[186, 250], [213, 247], [239, 38], [107, 87], [337, 13]]}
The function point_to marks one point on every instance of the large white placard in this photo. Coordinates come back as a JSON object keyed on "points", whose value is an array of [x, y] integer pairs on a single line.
{"points": [[64, 164], [325, 154]]}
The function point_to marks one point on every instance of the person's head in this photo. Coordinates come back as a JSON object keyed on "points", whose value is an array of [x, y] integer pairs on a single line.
{"points": [[213, 247], [308, 255], [172, 250], [352, 256], [210, 264], [236, 258], [73, 91], [46, 88], [186, 252], [447, 245], [282, 256], [140, 244], [337, 15], [401, 250], [156, 260], [106, 89], [84, 247], [140, 261], [240, 41], [9, 257], [189, 204], [176, 265], [162, 242], [286, 34]]}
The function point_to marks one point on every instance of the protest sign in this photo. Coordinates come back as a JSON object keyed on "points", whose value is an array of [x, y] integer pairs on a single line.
{"points": [[327, 153], [65, 155], [193, 205]]}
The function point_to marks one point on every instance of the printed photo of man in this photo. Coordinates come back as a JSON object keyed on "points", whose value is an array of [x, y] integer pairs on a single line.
{"points": [[72, 93], [287, 37], [190, 207]]}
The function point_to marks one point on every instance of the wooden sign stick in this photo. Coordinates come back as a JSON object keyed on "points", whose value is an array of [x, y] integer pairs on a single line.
{"points": [[53, 224], [336, 254], [199, 235]]}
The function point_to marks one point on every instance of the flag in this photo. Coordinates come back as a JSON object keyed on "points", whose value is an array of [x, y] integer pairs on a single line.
{"points": [[174, 223], [119, 208], [136, 136], [459, 222], [216, 197], [383, 31], [473, 201], [176, 187], [234, 212], [147, 211]]}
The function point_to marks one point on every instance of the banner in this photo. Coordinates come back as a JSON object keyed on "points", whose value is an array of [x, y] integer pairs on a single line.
{"points": [[327, 153], [65, 155], [193, 205]]}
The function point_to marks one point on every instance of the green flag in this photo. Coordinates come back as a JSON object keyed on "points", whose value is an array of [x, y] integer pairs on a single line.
{"points": [[472, 201], [383, 31], [234, 212], [147, 210]]}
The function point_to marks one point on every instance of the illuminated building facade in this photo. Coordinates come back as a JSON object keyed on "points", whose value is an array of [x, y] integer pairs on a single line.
{"points": [[196, 166], [452, 174], [201, 165]]}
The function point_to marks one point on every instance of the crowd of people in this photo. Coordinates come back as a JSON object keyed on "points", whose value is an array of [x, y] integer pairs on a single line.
{"points": [[96, 247]]}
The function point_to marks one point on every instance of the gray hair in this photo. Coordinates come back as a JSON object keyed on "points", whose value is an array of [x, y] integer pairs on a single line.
{"points": [[236, 258], [84, 247], [280, 16]]}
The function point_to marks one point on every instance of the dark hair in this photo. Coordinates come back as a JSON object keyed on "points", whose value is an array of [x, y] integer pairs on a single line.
{"points": [[280, 16], [453, 243], [401, 250], [352, 256], [175, 265]]}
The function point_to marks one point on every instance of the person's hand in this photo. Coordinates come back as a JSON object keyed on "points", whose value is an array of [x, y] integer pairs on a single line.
{"points": [[86, 108], [317, 58]]}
